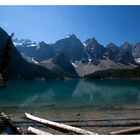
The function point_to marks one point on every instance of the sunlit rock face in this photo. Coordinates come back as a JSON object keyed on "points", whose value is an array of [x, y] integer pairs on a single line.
{"points": [[73, 48]]}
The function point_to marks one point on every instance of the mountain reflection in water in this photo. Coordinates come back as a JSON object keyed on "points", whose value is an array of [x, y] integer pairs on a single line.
{"points": [[70, 95]]}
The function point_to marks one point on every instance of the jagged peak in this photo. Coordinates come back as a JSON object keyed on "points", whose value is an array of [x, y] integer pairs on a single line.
{"points": [[42, 42], [72, 36], [112, 45], [126, 43], [91, 41]]}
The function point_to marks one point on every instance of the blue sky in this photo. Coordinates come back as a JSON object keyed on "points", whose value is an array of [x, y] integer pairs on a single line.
{"points": [[107, 24]]}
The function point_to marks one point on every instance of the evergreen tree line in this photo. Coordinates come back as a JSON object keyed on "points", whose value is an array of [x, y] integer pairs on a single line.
{"points": [[5, 57]]}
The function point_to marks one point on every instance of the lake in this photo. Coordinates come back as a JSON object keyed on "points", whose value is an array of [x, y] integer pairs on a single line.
{"points": [[72, 99]]}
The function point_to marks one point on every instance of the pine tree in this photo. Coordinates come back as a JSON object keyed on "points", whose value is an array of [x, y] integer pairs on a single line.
{"points": [[5, 61]]}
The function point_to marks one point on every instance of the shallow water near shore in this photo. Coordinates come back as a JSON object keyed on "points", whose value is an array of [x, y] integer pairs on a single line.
{"points": [[72, 99]]}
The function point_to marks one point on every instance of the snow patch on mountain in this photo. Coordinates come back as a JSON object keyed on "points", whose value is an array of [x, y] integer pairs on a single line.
{"points": [[24, 42], [67, 36], [85, 44], [33, 60], [33, 45], [137, 60], [17, 43], [89, 59], [74, 64]]}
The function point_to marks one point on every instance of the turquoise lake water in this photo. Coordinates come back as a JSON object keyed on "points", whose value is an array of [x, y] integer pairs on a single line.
{"points": [[72, 99]]}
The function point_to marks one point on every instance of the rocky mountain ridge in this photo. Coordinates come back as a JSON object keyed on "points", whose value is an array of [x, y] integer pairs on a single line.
{"points": [[85, 58]]}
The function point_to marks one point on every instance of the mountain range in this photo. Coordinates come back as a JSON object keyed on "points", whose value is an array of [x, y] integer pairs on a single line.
{"points": [[82, 57], [68, 57]]}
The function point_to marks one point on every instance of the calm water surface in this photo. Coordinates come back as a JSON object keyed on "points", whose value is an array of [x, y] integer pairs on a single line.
{"points": [[72, 99]]}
